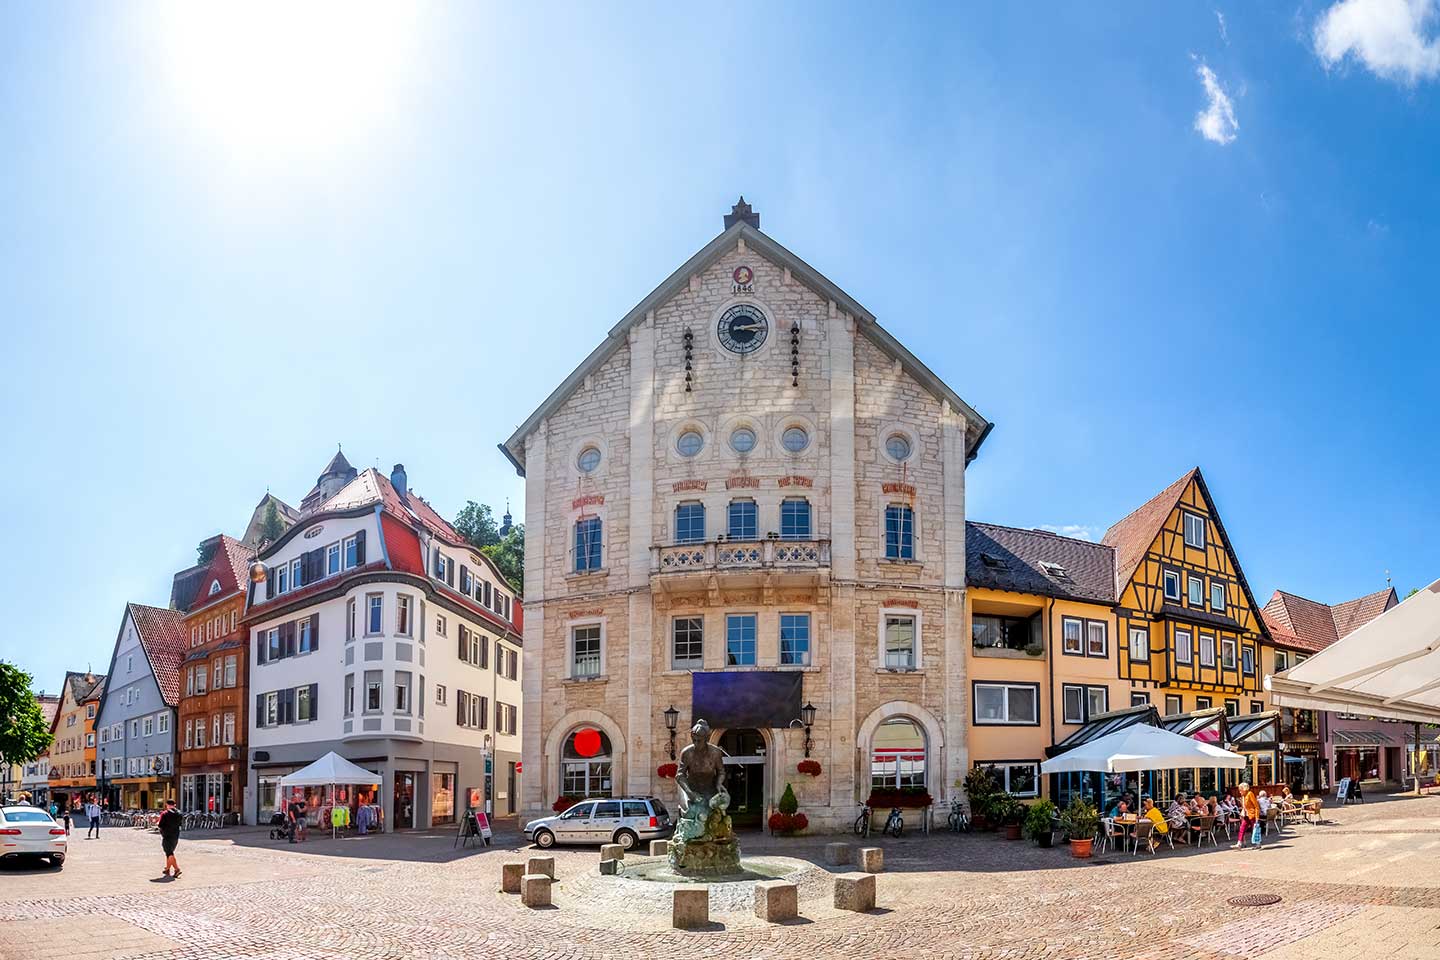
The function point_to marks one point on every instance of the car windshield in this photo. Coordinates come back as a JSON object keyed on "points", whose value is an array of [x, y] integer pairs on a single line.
{"points": [[578, 812], [26, 816]]}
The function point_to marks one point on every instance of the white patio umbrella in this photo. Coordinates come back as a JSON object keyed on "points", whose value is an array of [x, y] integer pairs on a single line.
{"points": [[1141, 747], [330, 770]]}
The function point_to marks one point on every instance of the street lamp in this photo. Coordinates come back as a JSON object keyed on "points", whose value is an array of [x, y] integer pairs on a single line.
{"points": [[672, 719], [807, 717]]}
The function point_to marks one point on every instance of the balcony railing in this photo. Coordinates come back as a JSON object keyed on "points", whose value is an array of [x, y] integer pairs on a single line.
{"points": [[771, 554]]}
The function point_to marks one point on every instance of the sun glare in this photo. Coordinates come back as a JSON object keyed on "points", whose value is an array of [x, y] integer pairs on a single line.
{"points": [[277, 79]]}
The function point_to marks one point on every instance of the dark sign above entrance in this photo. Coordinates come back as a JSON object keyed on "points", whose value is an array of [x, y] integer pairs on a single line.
{"points": [[760, 698]]}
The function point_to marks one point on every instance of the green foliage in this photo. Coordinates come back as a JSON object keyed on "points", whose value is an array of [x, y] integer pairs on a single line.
{"points": [[1081, 819], [24, 734], [476, 523], [509, 556], [1413, 591], [1037, 818], [1007, 808], [272, 528], [788, 803], [982, 787]]}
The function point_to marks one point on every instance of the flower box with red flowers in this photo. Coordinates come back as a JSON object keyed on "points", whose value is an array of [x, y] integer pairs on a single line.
{"points": [[788, 822], [811, 767], [906, 798], [565, 802], [666, 771]]}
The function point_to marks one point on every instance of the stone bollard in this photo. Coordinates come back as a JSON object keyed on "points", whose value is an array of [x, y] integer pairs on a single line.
{"points": [[510, 876], [855, 891], [690, 907], [545, 865], [659, 848], [776, 900], [611, 868], [870, 859], [535, 890], [612, 851], [837, 854]]}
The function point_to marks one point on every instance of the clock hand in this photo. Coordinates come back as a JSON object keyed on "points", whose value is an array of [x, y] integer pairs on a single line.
{"points": [[744, 326]]}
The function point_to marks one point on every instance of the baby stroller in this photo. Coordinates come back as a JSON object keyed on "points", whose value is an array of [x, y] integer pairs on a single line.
{"points": [[281, 827]]}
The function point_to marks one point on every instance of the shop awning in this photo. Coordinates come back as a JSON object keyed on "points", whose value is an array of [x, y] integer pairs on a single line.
{"points": [[1388, 668], [1361, 738], [1104, 724], [329, 769], [1141, 746], [1206, 725], [1253, 729]]}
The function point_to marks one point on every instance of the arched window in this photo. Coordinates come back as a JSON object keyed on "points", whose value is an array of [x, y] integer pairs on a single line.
{"points": [[898, 755], [585, 764]]}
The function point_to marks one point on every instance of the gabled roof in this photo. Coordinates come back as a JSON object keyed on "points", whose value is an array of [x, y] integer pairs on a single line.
{"points": [[230, 565], [162, 637], [742, 229], [79, 686], [1039, 562], [1308, 625]]}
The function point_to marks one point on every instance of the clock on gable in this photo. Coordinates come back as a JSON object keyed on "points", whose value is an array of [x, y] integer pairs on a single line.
{"points": [[742, 329]]}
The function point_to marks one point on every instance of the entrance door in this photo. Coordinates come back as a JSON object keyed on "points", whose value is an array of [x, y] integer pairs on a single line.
{"points": [[745, 777], [404, 800], [510, 793]]}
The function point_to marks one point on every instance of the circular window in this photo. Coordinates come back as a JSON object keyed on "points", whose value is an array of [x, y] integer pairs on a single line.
{"points": [[743, 440], [795, 439], [690, 443], [588, 460], [898, 446]]}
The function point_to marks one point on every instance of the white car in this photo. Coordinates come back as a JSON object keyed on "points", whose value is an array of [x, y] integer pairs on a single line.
{"points": [[31, 832]]}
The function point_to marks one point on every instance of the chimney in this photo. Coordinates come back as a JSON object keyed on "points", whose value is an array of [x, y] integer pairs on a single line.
{"points": [[397, 479]]}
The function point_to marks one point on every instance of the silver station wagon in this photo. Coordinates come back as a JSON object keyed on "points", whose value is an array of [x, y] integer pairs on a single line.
{"points": [[626, 821]]}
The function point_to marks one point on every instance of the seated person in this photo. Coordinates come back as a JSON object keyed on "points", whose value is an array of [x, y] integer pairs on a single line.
{"points": [[1121, 809], [1178, 816], [1153, 814], [1264, 799]]}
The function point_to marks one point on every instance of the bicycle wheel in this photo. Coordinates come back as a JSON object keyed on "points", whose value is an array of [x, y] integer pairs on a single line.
{"points": [[860, 825]]}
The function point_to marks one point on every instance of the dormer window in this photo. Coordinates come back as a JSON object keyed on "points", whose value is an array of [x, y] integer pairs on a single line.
{"points": [[1055, 570], [214, 587], [993, 562]]}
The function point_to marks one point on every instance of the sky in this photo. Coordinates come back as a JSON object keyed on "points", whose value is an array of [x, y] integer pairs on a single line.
{"points": [[1138, 237]]}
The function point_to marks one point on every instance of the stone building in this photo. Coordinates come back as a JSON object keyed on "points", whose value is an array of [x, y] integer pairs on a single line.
{"points": [[749, 499]]}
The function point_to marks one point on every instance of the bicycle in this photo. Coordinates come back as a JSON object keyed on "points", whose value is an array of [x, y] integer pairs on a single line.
{"points": [[958, 821], [894, 824], [862, 822]]}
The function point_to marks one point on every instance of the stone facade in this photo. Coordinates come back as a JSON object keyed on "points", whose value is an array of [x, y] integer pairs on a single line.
{"points": [[826, 368]]}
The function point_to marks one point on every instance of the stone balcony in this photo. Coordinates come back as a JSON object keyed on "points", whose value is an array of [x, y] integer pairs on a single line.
{"points": [[741, 563]]}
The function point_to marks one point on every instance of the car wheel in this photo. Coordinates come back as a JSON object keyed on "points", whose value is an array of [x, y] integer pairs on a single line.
{"points": [[544, 839], [626, 839]]}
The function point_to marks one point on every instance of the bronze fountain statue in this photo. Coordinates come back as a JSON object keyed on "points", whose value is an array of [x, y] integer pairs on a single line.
{"points": [[704, 843]]}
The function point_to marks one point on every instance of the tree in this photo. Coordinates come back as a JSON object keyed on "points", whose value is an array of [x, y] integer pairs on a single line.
{"points": [[476, 523], [1413, 591], [272, 528], [24, 734]]}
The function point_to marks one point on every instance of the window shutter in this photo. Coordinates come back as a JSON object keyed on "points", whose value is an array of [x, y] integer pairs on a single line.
{"points": [[435, 564], [422, 696], [287, 638], [464, 573], [314, 701], [260, 649], [314, 631], [360, 548], [259, 709], [450, 574], [317, 569], [289, 705], [460, 697], [269, 584], [464, 644]]}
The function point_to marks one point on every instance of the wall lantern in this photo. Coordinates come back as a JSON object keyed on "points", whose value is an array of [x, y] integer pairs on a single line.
{"points": [[672, 718], [807, 717]]}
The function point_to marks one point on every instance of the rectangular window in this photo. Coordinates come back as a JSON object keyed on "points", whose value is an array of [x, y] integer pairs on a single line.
{"points": [[297, 574], [162, 723], [215, 730], [899, 642], [332, 559], [1071, 631], [1197, 592], [440, 694], [1002, 704], [1139, 698], [1207, 650], [374, 615], [1282, 661], [1084, 702], [402, 691], [688, 646], [148, 726], [189, 681], [1184, 653], [690, 523], [795, 519], [1247, 661], [742, 520], [1194, 531], [1217, 596], [304, 635], [1018, 778], [467, 582], [1256, 706], [1001, 633], [282, 579], [349, 694], [899, 532], [1097, 639], [1139, 644], [349, 619], [1232, 708], [585, 651], [351, 546], [512, 665], [795, 639], [304, 704], [189, 734], [202, 676], [1172, 585], [588, 544], [231, 665], [1227, 653], [440, 625], [200, 734], [402, 615], [373, 692], [274, 649], [740, 640], [1203, 703], [1172, 704]]}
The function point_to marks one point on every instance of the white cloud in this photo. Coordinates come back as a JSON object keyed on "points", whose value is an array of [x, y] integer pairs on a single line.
{"points": [[1224, 35], [1216, 122], [1393, 39], [1079, 531]]}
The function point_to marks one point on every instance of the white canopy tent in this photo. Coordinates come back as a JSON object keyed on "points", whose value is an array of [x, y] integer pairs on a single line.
{"points": [[1141, 747], [328, 771], [1389, 668]]}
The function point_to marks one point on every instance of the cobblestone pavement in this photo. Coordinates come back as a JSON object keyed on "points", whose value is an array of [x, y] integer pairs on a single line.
{"points": [[1357, 886]]}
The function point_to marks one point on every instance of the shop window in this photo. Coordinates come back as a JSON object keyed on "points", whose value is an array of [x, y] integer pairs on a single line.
{"points": [[585, 764], [898, 755]]}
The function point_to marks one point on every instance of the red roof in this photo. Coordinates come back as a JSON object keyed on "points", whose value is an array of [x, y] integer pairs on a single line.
{"points": [[162, 636], [230, 565], [1311, 626], [1132, 535]]}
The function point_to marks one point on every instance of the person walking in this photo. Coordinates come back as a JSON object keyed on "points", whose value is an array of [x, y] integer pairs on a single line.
{"points": [[1249, 814], [92, 813], [170, 823]]}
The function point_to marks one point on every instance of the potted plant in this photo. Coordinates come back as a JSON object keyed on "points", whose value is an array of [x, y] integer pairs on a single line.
{"points": [[1081, 820], [1008, 812], [980, 787], [1039, 824], [787, 819]]}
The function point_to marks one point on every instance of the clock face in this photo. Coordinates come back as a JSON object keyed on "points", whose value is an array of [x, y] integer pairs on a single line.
{"points": [[742, 329]]}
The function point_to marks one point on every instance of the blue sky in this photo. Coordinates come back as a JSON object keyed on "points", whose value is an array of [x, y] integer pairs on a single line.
{"points": [[1138, 237]]}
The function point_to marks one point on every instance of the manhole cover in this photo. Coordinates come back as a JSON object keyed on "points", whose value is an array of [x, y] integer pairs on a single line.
{"points": [[1254, 900]]}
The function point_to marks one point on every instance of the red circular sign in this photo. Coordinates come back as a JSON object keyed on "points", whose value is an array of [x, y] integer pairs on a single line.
{"points": [[743, 275], [587, 742]]}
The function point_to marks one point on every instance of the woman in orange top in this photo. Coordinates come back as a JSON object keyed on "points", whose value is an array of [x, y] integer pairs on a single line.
{"points": [[1249, 814]]}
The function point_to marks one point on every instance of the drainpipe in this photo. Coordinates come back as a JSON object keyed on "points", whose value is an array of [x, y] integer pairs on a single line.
{"points": [[1050, 671]]}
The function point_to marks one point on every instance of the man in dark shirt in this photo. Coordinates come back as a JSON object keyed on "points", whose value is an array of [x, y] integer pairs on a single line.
{"points": [[170, 822], [297, 820]]}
